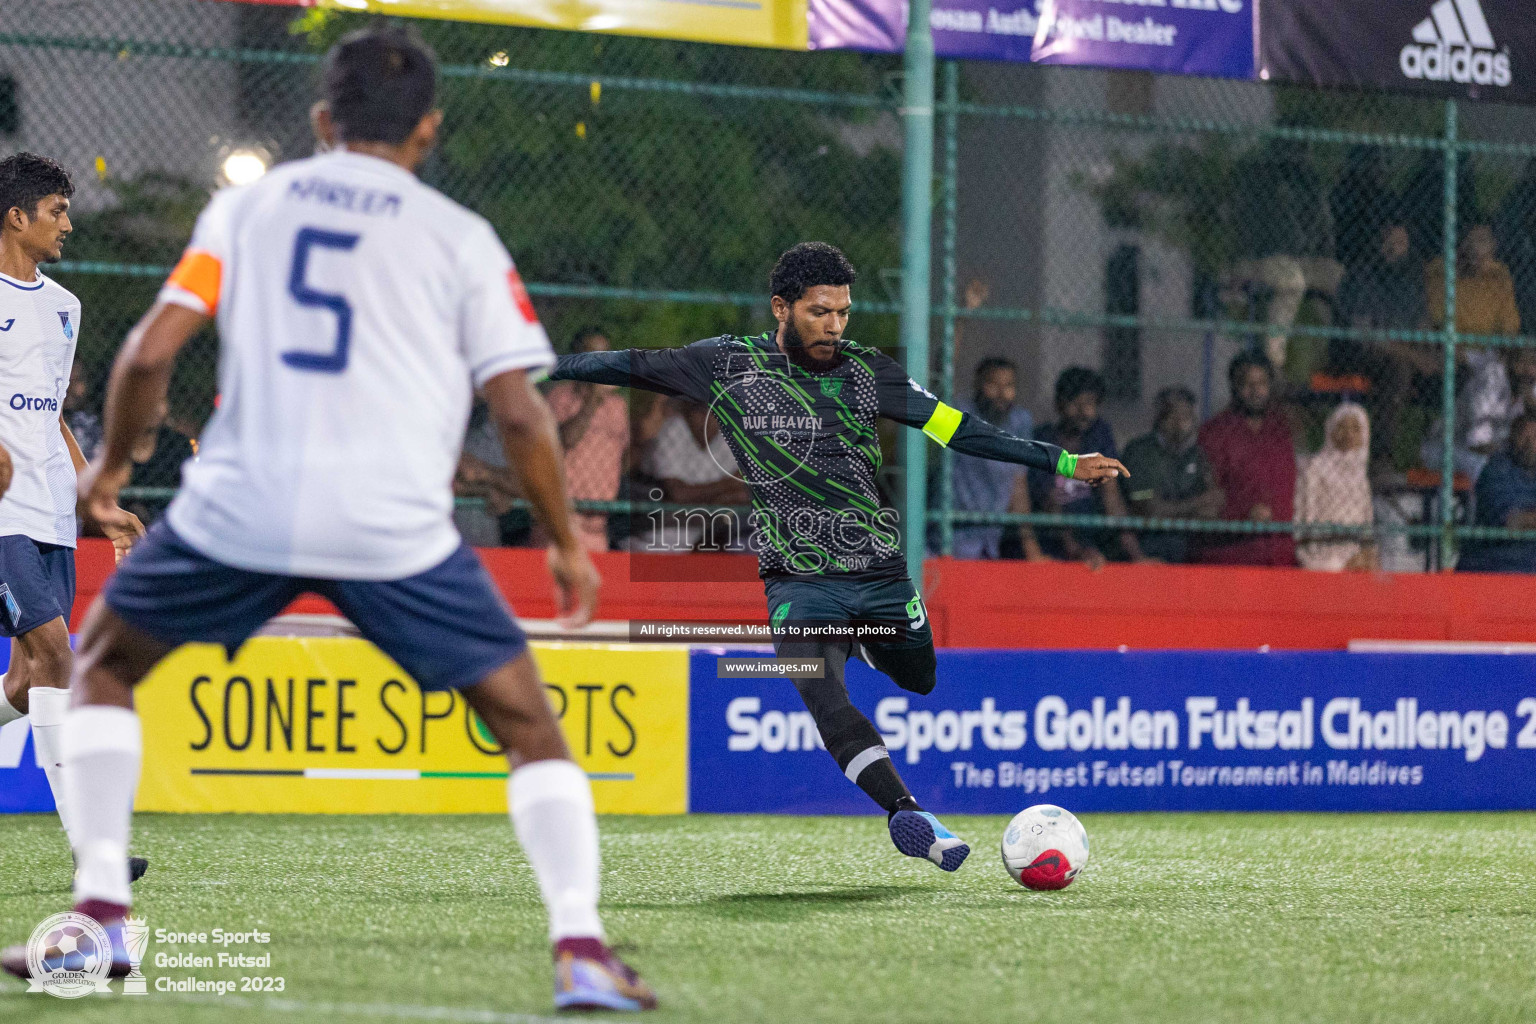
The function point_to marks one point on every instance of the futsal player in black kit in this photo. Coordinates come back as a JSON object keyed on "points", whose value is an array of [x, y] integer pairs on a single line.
{"points": [[798, 407]]}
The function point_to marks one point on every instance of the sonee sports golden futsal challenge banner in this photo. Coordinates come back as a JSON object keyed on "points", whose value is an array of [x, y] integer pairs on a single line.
{"points": [[330, 725]]}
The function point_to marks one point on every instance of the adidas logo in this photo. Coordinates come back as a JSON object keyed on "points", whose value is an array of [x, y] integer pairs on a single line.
{"points": [[1454, 44]]}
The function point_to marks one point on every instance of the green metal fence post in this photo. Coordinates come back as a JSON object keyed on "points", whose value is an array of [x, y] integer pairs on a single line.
{"points": [[1448, 390], [946, 387], [916, 242]]}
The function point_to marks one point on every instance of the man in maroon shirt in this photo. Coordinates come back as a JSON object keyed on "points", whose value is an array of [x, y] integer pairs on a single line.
{"points": [[1249, 446]]}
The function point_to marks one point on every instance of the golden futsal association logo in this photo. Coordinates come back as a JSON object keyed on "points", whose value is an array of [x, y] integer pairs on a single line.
{"points": [[69, 956]]}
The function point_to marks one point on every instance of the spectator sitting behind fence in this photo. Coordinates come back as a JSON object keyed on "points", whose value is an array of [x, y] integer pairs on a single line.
{"points": [[1485, 291], [1506, 497], [594, 433], [1079, 429], [483, 473], [1170, 476], [1386, 293], [982, 485], [1284, 238], [1485, 304], [1249, 445], [157, 457], [695, 466], [1360, 203], [84, 421], [1334, 488], [1502, 386], [1515, 228]]}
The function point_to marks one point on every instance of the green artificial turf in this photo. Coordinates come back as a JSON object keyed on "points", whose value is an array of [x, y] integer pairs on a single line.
{"points": [[1200, 918]]}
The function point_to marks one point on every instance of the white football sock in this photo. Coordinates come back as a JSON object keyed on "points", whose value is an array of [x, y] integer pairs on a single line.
{"points": [[49, 705], [103, 746], [551, 804], [8, 714]]}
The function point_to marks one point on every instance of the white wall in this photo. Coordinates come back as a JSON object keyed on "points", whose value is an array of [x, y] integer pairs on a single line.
{"points": [[1029, 226], [78, 106]]}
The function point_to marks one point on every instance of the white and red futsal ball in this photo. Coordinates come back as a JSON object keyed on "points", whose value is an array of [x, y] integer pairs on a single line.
{"points": [[1044, 847]]}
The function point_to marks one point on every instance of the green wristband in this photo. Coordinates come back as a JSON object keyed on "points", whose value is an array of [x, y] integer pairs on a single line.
{"points": [[1066, 465]]}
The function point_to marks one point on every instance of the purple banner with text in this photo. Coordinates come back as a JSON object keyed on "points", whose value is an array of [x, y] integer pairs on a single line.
{"points": [[1003, 30], [1190, 37], [1213, 38]]}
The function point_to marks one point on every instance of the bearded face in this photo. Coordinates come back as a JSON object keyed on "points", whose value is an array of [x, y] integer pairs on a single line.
{"points": [[814, 359]]}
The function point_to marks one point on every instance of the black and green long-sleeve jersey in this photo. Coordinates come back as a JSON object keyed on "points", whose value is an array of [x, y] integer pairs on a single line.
{"points": [[806, 443]]}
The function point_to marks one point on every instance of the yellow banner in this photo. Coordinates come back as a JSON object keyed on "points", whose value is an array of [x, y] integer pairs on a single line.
{"points": [[775, 23], [333, 726]]}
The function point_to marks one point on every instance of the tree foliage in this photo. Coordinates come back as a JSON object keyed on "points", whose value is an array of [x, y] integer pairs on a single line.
{"points": [[656, 188]]}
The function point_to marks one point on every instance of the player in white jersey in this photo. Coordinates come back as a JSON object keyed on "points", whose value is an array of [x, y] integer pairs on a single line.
{"points": [[357, 310], [39, 326]]}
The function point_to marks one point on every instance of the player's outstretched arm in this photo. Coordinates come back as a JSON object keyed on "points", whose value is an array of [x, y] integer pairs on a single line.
{"points": [[681, 372], [905, 401], [7, 469], [975, 436], [532, 444], [140, 376], [596, 367]]}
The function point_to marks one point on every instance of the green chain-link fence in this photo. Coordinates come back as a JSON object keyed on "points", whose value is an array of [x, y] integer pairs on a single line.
{"points": [[1154, 229], [1147, 229]]}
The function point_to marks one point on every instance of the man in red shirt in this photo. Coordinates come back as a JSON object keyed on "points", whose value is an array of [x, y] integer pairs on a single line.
{"points": [[1250, 450]]}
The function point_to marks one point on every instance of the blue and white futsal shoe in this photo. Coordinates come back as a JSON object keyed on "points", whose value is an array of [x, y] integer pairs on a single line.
{"points": [[920, 834]]}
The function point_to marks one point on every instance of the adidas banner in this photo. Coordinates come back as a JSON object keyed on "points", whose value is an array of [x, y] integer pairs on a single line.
{"points": [[1481, 49]]}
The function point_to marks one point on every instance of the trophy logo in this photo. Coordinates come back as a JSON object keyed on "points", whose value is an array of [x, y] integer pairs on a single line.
{"points": [[135, 941]]}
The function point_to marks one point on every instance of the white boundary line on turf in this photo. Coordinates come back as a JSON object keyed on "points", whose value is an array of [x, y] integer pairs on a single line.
{"points": [[397, 1011]]}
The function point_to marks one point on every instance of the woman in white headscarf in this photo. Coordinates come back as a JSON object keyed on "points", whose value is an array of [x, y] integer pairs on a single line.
{"points": [[1334, 488]]}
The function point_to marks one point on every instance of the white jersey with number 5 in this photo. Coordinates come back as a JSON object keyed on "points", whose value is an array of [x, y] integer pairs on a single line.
{"points": [[355, 307]]}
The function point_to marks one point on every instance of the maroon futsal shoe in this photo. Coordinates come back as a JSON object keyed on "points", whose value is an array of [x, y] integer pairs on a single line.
{"points": [[69, 946], [589, 976]]}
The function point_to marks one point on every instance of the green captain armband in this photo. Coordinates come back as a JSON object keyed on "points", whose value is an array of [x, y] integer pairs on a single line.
{"points": [[941, 426], [1066, 465]]}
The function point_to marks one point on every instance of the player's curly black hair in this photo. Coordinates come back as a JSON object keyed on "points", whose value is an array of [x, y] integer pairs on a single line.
{"points": [[807, 265], [26, 179]]}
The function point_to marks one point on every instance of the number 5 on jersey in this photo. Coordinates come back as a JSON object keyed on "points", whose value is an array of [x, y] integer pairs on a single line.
{"points": [[334, 361]]}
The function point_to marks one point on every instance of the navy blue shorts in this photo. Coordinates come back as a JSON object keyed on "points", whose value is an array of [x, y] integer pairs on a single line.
{"points": [[37, 584], [448, 627]]}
